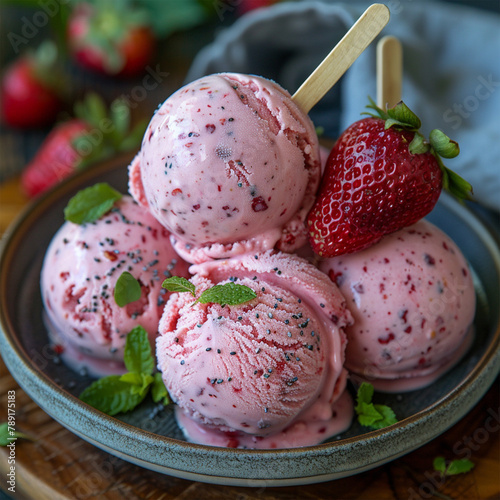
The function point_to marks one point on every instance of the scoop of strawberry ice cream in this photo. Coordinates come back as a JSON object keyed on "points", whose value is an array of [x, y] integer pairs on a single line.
{"points": [[413, 302], [263, 374], [79, 273], [229, 164]]}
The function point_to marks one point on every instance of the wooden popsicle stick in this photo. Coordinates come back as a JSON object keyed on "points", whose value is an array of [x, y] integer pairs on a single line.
{"points": [[389, 72], [340, 59]]}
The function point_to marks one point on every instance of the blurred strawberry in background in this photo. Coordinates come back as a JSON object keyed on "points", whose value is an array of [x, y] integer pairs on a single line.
{"points": [[94, 134], [248, 5], [112, 38], [56, 159], [32, 89]]}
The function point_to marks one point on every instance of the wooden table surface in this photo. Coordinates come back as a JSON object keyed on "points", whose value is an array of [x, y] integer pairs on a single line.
{"points": [[59, 465]]}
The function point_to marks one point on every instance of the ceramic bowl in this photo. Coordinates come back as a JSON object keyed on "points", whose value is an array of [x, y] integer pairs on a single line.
{"points": [[149, 436]]}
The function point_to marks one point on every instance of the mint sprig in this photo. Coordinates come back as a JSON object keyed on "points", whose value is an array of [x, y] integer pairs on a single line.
{"points": [[179, 284], [122, 393], [159, 391], [439, 144], [452, 468], [127, 289], [90, 204], [372, 415], [231, 293], [8, 435]]}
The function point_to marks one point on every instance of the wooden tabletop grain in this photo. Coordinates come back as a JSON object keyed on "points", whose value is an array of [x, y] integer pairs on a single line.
{"points": [[59, 465]]}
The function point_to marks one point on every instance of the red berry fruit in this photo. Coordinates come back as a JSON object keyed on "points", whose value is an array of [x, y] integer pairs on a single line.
{"points": [[77, 143], [56, 159], [29, 91], [109, 39], [381, 176]]}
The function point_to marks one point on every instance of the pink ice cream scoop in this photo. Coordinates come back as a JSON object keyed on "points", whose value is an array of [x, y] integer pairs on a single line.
{"points": [[413, 302], [229, 164], [79, 273], [267, 373]]}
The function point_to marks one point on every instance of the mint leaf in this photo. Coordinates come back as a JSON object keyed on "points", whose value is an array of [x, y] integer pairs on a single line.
{"points": [[372, 415], [178, 284], [127, 289], [159, 391], [4, 434], [9, 435], [439, 464], [365, 393], [111, 395], [368, 415], [90, 204], [137, 355], [230, 293], [388, 417], [459, 466], [140, 382], [121, 393]]}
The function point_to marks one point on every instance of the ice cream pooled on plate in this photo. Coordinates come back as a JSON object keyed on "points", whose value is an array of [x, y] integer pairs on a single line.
{"points": [[267, 373], [229, 164], [413, 302], [81, 267]]}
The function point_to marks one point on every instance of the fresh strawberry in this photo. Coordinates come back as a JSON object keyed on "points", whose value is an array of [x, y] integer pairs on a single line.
{"points": [[381, 175], [30, 97], [56, 159], [110, 39], [73, 145]]}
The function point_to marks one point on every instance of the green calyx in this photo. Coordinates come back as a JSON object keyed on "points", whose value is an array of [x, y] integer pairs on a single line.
{"points": [[111, 129], [439, 144], [46, 62]]}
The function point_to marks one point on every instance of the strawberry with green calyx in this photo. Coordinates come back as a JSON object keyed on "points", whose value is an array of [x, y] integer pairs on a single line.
{"points": [[32, 90], [382, 175], [110, 38], [95, 134]]}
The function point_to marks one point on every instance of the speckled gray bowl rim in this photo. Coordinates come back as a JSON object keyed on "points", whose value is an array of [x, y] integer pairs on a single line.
{"points": [[232, 466]]}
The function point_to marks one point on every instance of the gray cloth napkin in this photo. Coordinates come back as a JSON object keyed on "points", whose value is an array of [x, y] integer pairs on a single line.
{"points": [[451, 59]]}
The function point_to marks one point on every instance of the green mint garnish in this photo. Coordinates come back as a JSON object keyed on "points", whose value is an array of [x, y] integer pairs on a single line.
{"points": [[369, 414], [111, 395], [159, 391], [90, 204], [178, 284], [8, 434], [137, 355], [230, 294], [459, 466], [127, 289], [122, 393]]}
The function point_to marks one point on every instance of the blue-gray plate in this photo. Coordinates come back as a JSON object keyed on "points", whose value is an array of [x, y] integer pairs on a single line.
{"points": [[148, 436]]}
